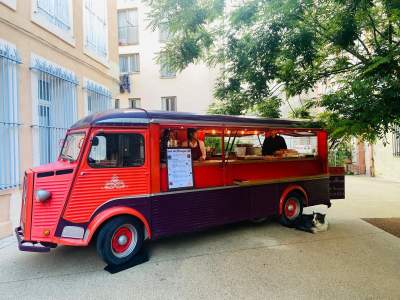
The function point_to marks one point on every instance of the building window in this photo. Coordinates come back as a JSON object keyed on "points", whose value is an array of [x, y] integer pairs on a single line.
{"points": [[95, 16], [56, 12], [56, 106], [122, 150], [9, 118], [168, 103], [134, 103], [10, 3], [117, 103], [129, 63], [128, 28], [98, 98], [164, 34], [396, 141], [166, 70]]}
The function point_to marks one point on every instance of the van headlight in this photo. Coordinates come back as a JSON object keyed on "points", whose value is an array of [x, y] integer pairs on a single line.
{"points": [[42, 195]]}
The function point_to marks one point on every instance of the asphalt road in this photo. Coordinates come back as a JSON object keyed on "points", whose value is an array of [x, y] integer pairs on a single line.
{"points": [[352, 260]]}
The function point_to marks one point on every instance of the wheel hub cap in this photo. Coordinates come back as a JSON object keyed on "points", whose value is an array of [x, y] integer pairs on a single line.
{"points": [[292, 209], [122, 240]]}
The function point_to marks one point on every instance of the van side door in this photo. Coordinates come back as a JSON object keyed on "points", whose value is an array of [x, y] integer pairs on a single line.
{"points": [[115, 165]]}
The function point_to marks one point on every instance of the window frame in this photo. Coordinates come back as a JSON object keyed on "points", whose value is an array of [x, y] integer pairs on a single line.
{"points": [[164, 72], [126, 11], [169, 98], [141, 133], [129, 57], [65, 35], [87, 50], [134, 99]]}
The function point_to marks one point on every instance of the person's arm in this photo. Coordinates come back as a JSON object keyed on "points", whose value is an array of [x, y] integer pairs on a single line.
{"points": [[203, 150], [185, 144], [283, 143]]}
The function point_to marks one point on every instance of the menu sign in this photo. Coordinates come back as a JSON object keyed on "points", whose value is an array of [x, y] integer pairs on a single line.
{"points": [[180, 170]]}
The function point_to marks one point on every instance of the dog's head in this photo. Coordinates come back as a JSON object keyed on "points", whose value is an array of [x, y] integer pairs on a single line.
{"points": [[318, 218]]}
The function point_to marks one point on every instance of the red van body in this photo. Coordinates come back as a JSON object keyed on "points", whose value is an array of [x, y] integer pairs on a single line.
{"points": [[68, 202]]}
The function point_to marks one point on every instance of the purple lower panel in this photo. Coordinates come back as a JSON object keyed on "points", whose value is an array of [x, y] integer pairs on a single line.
{"points": [[195, 210]]}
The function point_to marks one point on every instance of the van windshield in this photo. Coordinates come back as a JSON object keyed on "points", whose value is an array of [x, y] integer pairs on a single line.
{"points": [[72, 146]]}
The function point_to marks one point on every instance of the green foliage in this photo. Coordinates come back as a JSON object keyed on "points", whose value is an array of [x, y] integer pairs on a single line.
{"points": [[270, 47]]}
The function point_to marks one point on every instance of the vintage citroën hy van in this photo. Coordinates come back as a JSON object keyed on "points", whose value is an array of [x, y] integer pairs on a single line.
{"points": [[129, 175]]}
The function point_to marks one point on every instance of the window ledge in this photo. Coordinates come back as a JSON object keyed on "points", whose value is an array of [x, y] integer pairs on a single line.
{"points": [[66, 36], [103, 60]]}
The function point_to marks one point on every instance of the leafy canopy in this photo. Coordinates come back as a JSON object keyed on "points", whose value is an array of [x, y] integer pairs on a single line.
{"points": [[267, 48]]}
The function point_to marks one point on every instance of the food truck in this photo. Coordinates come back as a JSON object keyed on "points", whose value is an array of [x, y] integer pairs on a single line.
{"points": [[119, 179]]}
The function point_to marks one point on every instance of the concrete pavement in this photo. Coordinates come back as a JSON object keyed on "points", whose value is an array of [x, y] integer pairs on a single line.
{"points": [[353, 260]]}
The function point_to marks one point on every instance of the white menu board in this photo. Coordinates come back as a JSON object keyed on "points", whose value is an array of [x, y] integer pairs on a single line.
{"points": [[180, 170]]}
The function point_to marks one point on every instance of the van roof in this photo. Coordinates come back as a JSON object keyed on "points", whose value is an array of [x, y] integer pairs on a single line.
{"points": [[132, 117]]}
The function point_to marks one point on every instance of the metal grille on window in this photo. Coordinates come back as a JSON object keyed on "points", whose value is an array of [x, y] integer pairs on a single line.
{"points": [[9, 119], [129, 63], [396, 141], [57, 101], [128, 29], [96, 27], [98, 98], [55, 11], [168, 103]]}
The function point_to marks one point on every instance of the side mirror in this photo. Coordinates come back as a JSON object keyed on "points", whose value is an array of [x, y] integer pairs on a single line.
{"points": [[95, 141]]}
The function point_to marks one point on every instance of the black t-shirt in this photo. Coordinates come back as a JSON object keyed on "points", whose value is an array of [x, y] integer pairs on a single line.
{"points": [[272, 144]]}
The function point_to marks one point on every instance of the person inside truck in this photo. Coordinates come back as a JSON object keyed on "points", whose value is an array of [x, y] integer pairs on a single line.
{"points": [[197, 146], [272, 143]]}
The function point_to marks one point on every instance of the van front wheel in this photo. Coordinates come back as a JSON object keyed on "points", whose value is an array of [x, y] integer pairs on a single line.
{"points": [[119, 240]]}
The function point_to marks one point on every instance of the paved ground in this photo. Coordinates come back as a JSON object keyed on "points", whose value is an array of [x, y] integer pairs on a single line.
{"points": [[353, 260]]}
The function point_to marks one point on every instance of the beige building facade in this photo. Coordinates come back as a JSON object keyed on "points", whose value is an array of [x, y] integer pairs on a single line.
{"points": [[152, 84], [58, 63]]}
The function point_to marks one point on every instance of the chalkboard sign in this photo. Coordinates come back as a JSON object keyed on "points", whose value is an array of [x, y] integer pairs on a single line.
{"points": [[180, 168]]}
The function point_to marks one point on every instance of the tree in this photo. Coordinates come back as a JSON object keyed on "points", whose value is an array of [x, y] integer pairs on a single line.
{"points": [[269, 47]]}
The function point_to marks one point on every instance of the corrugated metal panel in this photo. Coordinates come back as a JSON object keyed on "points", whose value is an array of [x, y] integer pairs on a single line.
{"points": [[100, 185], [9, 118], [46, 215]]}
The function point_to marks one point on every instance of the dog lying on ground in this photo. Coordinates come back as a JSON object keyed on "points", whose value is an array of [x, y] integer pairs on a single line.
{"points": [[314, 223]]}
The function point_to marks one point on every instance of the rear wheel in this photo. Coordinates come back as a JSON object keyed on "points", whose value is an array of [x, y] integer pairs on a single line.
{"points": [[119, 240], [292, 210]]}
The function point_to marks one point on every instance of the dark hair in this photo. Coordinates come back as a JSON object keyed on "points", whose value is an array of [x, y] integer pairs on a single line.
{"points": [[190, 133]]}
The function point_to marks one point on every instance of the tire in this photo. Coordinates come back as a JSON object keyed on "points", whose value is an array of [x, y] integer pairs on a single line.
{"points": [[292, 209], [119, 240]]}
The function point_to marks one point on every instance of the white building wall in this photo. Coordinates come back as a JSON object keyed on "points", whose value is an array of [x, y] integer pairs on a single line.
{"points": [[386, 164], [193, 87]]}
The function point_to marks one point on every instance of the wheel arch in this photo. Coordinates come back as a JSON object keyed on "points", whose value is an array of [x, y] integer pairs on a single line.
{"points": [[114, 212], [292, 189]]}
